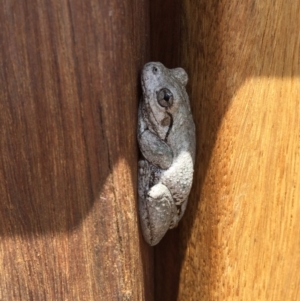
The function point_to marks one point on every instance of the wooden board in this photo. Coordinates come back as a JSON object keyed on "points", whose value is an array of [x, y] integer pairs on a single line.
{"points": [[240, 237], [68, 103]]}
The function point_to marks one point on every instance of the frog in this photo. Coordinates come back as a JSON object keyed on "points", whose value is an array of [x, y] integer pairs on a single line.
{"points": [[167, 143]]}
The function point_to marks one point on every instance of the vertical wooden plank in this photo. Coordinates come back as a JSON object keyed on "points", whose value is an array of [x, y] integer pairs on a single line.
{"points": [[68, 103], [165, 29], [240, 237]]}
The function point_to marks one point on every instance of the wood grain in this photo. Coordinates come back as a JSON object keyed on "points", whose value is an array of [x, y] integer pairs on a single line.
{"points": [[240, 237], [68, 103]]}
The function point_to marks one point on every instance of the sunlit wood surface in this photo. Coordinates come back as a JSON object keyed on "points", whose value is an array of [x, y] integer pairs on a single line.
{"points": [[240, 238]]}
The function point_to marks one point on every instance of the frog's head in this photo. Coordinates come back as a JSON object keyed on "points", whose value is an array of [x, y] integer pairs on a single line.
{"points": [[163, 90]]}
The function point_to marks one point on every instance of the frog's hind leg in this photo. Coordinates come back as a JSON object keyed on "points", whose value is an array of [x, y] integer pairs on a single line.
{"points": [[161, 210], [156, 205]]}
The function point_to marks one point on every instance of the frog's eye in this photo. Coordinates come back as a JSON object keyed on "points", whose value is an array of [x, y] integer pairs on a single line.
{"points": [[154, 69], [165, 98]]}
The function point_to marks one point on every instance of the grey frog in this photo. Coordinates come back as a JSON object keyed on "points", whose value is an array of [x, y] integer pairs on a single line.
{"points": [[166, 136]]}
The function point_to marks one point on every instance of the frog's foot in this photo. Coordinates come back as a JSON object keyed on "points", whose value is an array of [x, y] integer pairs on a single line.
{"points": [[177, 217], [144, 168], [157, 211]]}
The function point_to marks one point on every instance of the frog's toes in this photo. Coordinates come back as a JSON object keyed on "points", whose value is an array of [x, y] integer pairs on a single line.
{"points": [[143, 167]]}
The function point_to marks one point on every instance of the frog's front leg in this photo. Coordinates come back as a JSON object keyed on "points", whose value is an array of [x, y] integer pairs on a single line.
{"points": [[156, 205], [154, 149]]}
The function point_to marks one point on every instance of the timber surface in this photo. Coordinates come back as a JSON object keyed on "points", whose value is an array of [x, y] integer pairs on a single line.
{"points": [[68, 107], [240, 238]]}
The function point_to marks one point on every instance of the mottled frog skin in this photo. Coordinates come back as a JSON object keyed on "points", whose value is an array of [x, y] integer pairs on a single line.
{"points": [[166, 136]]}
